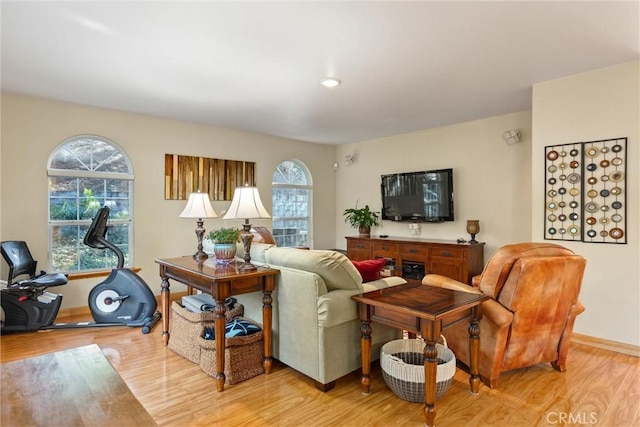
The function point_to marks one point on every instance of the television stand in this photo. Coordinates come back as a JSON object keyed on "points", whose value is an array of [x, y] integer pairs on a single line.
{"points": [[413, 257]]}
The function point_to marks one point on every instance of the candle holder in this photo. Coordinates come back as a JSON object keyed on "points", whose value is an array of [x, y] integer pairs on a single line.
{"points": [[473, 228]]}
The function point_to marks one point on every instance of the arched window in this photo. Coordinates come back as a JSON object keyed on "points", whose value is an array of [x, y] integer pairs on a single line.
{"points": [[291, 204], [85, 173]]}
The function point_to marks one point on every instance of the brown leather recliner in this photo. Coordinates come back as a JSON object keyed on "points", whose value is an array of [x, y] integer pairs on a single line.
{"points": [[529, 319]]}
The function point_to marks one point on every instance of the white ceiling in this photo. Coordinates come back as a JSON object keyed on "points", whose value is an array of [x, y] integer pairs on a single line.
{"points": [[256, 66]]}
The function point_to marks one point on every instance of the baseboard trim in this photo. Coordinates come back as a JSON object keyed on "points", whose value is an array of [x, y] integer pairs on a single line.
{"points": [[84, 311], [632, 350]]}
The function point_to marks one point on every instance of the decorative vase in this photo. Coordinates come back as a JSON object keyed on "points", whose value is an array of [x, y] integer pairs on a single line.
{"points": [[473, 228], [364, 231], [224, 252]]}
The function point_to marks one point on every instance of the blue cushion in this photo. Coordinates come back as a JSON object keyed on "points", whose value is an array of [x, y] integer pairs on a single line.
{"points": [[238, 327]]}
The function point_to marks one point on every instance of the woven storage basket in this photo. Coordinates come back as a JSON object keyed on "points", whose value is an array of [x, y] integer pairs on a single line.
{"points": [[186, 327], [403, 368], [243, 356]]}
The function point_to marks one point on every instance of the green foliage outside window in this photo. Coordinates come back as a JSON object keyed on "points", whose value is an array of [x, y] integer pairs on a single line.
{"points": [[105, 179]]}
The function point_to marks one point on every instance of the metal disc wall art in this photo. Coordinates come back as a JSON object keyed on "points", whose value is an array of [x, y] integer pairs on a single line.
{"points": [[585, 191]]}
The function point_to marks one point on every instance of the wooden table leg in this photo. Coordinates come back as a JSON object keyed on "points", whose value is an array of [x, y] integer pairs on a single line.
{"points": [[474, 340], [220, 326], [164, 299], [365, 348], [430, 369], [267, 317]]}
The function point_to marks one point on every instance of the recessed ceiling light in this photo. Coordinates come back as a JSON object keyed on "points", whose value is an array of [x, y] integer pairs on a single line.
{"points": [[330, 82]]}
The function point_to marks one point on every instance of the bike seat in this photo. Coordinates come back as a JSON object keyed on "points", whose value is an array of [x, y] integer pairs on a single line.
{"points": [[18, 257], [46, 281]]}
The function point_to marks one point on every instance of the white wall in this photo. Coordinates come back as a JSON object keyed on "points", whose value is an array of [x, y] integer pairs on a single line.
{"points": [[597, 105], [33, 127], [501, 185], [492, 180]]}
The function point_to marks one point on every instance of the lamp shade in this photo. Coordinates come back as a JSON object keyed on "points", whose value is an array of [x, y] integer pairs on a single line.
{"points": [[246, 204], [198, 206]]}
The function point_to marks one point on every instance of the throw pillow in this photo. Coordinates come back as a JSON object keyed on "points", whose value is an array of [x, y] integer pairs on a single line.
{"points": [[370, 269]]}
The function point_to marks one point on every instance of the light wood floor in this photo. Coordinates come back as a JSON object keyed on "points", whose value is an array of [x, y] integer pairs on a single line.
{"points": [[601, 388]]}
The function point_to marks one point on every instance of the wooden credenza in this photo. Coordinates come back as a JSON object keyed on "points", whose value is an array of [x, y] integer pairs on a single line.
{"points": [[413, 258]]}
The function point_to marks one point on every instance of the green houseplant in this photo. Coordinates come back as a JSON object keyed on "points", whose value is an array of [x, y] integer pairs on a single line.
{"points": [[224, 246], [224, 235], [362, 219]]}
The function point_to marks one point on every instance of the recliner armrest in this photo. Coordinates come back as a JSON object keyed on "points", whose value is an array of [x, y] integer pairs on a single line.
{"points": [[496, 313], [475, 281], [447, 283]]}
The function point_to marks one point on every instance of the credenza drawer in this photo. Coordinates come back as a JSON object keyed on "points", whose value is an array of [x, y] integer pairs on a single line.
{"points": [[359, 249], [385, 249], [358, 245], [446, 253], [413, 252]]}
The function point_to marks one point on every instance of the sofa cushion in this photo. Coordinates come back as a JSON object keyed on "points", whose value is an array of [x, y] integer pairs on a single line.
{"points": [[335, 268], [257, 251], [370, 269]]}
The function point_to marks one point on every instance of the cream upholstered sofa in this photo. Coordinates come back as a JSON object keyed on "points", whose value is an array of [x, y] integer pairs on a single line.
{"points": [[316, 329]]}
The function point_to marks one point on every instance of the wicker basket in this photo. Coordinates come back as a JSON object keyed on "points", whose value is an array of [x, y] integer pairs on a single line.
{"points": [[186, 327], [243, 356], [403, 368]]}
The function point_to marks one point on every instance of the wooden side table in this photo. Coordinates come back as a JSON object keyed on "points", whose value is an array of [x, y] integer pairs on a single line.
{"points": [[425, 310], [221, 282]]}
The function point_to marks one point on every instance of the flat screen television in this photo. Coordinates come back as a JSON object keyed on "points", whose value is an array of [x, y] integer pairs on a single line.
{"points": [[425, 196]]}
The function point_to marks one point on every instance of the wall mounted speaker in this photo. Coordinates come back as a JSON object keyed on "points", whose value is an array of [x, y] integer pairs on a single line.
{"points": [[511, 136]]}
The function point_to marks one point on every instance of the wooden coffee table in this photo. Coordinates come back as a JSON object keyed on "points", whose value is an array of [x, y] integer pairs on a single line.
{"points": [[426, 310], [74, 387], [221, 282]]}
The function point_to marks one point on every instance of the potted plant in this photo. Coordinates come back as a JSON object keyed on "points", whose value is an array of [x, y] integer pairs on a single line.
{"points": [[224, 244], [362, 219]]}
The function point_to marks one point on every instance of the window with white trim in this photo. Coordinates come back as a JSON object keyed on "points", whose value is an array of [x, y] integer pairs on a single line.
{"points": [[291, 204], [84, 173]]}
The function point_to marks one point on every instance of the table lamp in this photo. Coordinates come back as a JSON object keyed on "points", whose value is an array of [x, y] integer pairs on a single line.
{"points": [[199, 206], [246, 204]]}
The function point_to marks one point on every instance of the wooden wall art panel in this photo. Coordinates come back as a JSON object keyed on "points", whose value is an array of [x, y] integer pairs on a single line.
{"points": [[217, 177], [585, 191]]}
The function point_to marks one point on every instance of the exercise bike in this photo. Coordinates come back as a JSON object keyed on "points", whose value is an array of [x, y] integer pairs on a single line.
{"points": [[122, 299], [26, 304]]}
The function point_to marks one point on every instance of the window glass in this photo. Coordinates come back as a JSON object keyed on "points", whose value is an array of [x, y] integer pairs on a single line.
{"points": [[291, 204], [90, 153], [86, 173]]}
